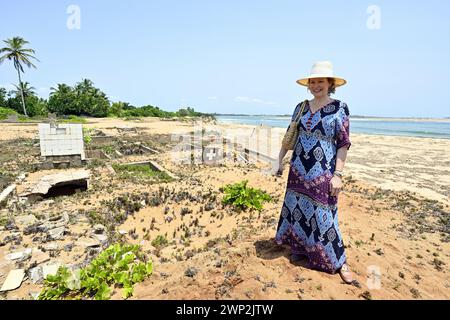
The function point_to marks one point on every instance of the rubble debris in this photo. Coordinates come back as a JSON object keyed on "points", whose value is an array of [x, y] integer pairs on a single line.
{"points": [[40, 257], [126, 129], [50, 269], [7, 193], [24, 221], [88, 242], [13, 280], [50, 247], [20, 255], [68, 247], [99, 229], [35, 274], [7, 238], [157, 167], [103, 239], [57, 233], [54, 181]]}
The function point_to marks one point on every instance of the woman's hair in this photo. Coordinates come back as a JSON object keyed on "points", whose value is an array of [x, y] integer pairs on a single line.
{"points": [[332, 88]]}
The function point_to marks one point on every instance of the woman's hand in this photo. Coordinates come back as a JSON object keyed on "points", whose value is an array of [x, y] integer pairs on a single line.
{"points": [[335, 186], [277, 169]]}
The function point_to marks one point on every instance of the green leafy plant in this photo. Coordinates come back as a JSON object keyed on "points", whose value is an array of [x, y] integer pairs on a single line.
{"points": [[160, 241], [244, 197], [108, 149], [120, 265], [140, 173], [87, 136], [5, 112]]}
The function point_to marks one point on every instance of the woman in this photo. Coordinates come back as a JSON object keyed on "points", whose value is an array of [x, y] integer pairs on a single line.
{"points": [[308, 221]]}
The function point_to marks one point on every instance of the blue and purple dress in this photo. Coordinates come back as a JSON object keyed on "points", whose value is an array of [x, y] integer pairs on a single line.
{"points": [[309, 221]]}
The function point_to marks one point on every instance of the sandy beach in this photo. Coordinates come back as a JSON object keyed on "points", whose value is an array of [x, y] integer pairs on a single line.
{"points": [[393, 215]]}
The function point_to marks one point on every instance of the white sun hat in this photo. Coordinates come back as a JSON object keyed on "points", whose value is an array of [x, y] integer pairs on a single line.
{"points": [[322, 69]]}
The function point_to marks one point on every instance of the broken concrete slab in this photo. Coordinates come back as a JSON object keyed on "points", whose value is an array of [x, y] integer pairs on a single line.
{"points": [[25, 221], [88, 242], [99, 229], [51, 247], [34, 295], [7, 193], [148, 149], [42, 186], [19, 255], [13, 280], [21, 178], [126, 129], [50, 269], [57, 233], [100, 237], [157, 167], [36, 275], [40, 257]]}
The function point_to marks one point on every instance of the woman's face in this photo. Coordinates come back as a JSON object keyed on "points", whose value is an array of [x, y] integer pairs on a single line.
{"points": [[319, 87]]}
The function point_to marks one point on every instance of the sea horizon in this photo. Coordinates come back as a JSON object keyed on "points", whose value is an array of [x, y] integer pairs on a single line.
{"points": [[412, 127], [351, 116]]}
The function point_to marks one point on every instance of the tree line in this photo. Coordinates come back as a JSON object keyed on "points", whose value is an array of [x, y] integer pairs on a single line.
{"points": [[81, 99]]}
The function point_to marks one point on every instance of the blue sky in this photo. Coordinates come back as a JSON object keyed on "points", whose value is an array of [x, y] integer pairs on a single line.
{"points": [[240, 56]]}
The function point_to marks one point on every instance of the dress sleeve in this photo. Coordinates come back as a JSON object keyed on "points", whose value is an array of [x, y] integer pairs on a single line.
{"points": [[343, 127], [297, 110]]}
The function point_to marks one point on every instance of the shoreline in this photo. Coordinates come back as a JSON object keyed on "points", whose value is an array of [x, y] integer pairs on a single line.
{"points": [[356, 118]]}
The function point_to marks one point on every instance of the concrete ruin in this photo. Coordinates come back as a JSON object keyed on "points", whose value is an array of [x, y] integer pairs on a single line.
{"points": [[62, 145], [154, 166], [57, 184]]}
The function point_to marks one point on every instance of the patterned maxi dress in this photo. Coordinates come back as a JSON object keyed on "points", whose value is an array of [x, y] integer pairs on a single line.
{"points": [[309, 221]]}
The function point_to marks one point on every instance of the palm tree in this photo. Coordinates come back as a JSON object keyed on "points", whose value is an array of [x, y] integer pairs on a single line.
{"points": [[24, 91], [16, 52], [61, 88]]}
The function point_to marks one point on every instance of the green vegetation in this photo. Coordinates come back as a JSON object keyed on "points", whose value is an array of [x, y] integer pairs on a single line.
{"points": [[140, 173], [108, 149], [73, 119], [82, 99], [243, 197], [5, 112], [160, 241], [119, 265], [87, 136]]}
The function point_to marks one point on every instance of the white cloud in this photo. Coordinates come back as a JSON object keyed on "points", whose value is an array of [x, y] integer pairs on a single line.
{"points": [[212, 98], [254, 100]]}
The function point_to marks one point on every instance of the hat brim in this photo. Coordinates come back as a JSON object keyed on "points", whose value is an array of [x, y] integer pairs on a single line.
{"points": [[338, 81]]}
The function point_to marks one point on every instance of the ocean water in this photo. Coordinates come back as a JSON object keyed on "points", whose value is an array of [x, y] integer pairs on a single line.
{"points": [[425, 129]]}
